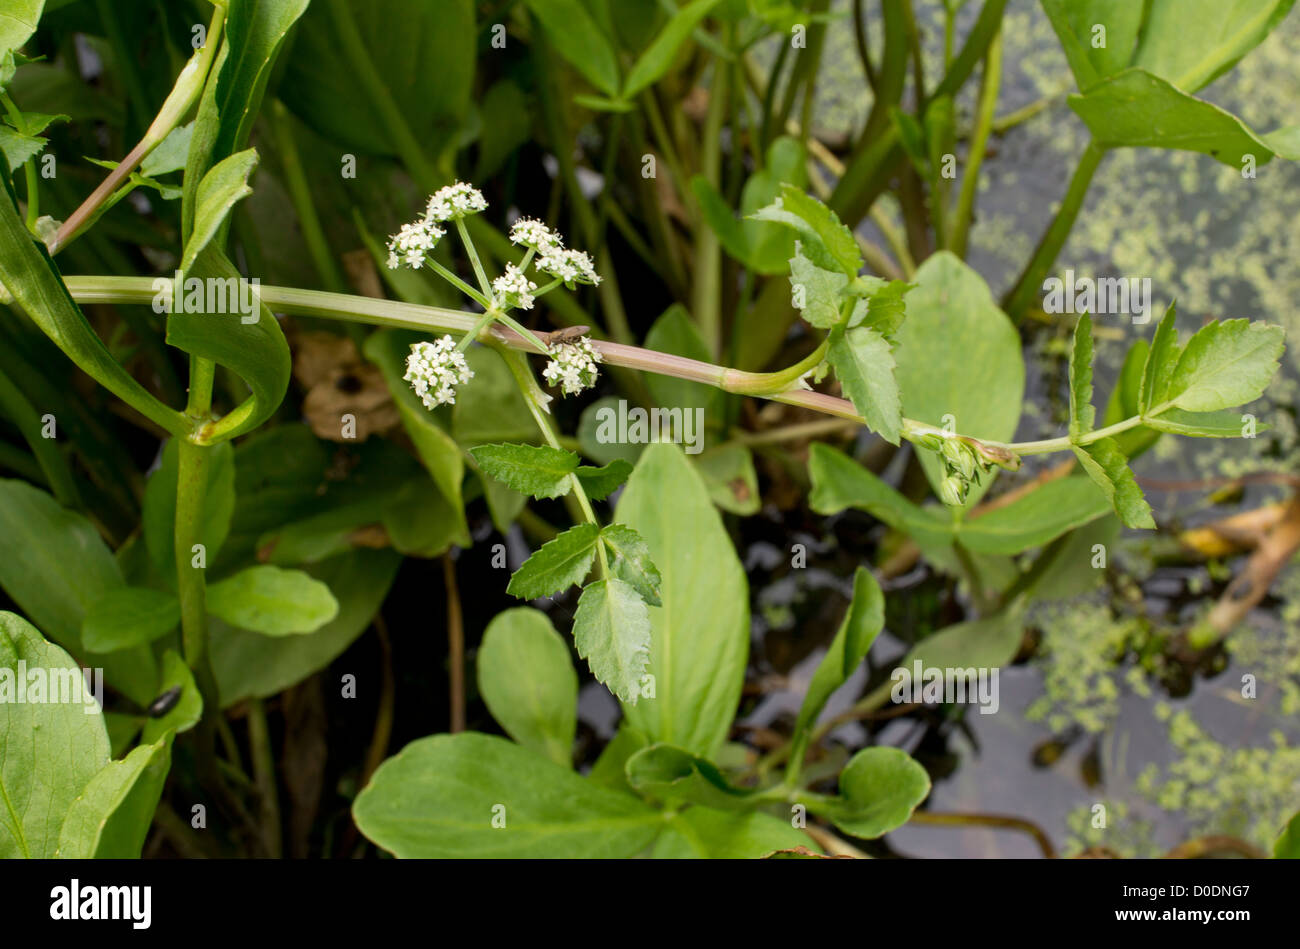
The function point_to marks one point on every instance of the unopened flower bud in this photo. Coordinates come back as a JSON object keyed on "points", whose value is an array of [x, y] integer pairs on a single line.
{"points": [[952, 491]]}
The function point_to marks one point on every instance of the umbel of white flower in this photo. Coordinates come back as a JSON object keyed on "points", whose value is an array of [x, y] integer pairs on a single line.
{"points": [[413, 243], [513, 289], [572, 366], [435, 369]]}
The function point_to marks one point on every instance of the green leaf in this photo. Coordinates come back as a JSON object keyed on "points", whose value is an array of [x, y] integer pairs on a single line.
{"points": [[816, 292], [159, 526], [423, 57], [1109, 470], [763, 247], [728, 473], [171, 153], [1223, 34], [611, 629], [629, 560], [657, 59], [18, 23], [49, 750], [272, 601], [1038, 518], [64, 569], [251, 665], [111, 816], [1224, 365], [129, 616], [864, 364], [879, 789], [187, 711], [727, 835], [958, 355], [1202, 424], [580, 41], [439, 796], [987, 643], [676, 776], [18, 148], [1124, 402], [557, 565], [1287, 846], [535, 470], [528, 682], [861, 625], [1134, 109], [700, 640], [1162, 359], [509, 128], [220, 190], [1083, 417], [600, 483], [881, 306], [1075, 23], [827, 242]]}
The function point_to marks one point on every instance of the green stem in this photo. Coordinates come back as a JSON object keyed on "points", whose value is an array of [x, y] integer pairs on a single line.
{"points": [[259, 741], [1021, 297], [988, 101], [483, 282], [706, 298], [484, 321], [300, 193], [459, 284]]}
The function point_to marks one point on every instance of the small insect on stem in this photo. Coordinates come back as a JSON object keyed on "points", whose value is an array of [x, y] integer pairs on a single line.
{"points": [[568, 334], [164, 703]]}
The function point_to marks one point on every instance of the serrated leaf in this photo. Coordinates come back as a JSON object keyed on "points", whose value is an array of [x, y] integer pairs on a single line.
{"points": [[1109, 470], [556, 565], [611, 629], [827, 242], [1083, 417], [864, 364], [536, 470], [528, 683], [272, 601], [816, 292], [881, 306], [630, 561], [879, 789], [600, 483], [129, 616], [1224, 365], [1162, 357], [225, 184], [18, 148]]}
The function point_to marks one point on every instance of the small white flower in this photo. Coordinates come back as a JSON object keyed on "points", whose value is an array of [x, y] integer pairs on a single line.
{"points": [[513, 289], [413, 243], [435, 369], [535, 235], [570, 266], [454, 202], [572, 366]]}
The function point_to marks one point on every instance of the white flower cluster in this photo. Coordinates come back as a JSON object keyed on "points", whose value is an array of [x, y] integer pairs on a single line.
{"points": [[435, 369], [572, 366], [454, 202], [413, 243], [513, 289], [571, 266]]}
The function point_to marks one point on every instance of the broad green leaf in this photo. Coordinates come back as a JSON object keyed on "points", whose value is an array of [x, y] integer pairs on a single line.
{"points": [[272, 601], [700, 639], [988, 643], [600, 483], [49, 750], [220, 190], [1287, 846], [839, 482], [1095, 54], [1038, 518], [1109, 470], [658, 57], [423, 60], [580, 41], [609, 769], [536, 470], [129, 616], [528, 682], [1226, 364], [629, 560], [30, 276], [1134, 109], [826, 241], [64, 568], [111, 816], [1192, 42], [1083, 417], [491, 409], [439, 797], [594, 429], [611, 629], [727, 835], [958, 355], [861, 625], [251, 665], [672, 775], [728, 472], [18, 23], [816, 292], [864, 364], [557, 565], [1162, 359], [159, 526], [879, 789]]}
